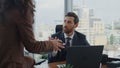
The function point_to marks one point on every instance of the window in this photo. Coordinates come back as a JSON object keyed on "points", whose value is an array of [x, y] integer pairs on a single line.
{"points": [[99, 21], [102, 22], [48, 14]]}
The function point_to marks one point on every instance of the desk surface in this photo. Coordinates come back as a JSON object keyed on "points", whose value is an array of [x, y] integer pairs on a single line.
{"points": [[54, 65]]}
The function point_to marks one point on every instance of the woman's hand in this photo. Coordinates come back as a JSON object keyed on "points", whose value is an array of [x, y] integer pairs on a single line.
{"points": [[57, 44]]}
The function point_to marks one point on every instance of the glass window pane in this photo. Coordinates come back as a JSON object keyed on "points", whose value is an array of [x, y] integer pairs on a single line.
{"points": [[100, 22], [48, 14]]}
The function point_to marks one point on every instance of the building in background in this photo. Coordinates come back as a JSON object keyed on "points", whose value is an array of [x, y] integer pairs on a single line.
{"points": [[91, 26], [96, 31], [115, 33], [43, 31]]}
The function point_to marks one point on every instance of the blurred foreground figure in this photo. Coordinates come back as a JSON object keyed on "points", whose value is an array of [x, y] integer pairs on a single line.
{"points": [[16, 19]]}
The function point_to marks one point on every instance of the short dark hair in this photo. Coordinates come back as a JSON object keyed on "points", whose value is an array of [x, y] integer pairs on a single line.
{"points": [[72, 14]]}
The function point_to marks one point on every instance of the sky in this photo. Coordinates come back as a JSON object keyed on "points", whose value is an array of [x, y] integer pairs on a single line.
{"points": [[48, 11], [107, 10]]}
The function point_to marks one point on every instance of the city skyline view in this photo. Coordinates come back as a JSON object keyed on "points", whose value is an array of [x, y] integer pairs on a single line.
{"points": [[99, 21], [49, 11]]}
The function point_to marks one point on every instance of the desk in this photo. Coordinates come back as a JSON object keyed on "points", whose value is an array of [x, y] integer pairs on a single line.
{"points": [[54, 65]]}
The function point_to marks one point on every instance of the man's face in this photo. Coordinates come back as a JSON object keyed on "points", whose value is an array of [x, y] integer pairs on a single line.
{"points": [[69, 25]]}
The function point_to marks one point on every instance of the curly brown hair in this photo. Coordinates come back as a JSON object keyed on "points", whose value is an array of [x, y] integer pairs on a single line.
{"points": [[22, 5]]}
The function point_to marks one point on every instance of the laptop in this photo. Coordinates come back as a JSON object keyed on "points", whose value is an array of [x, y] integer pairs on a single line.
{"points": [[84, 57]]}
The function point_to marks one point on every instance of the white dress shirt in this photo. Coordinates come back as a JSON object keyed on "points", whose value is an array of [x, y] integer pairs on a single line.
{"points": [[65, 35]]}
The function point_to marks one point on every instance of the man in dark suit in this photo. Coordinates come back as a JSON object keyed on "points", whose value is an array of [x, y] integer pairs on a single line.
{"points": [[68, 36]]}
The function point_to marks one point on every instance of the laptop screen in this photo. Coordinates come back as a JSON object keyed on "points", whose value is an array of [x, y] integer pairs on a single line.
{"points": [[84, 56]]}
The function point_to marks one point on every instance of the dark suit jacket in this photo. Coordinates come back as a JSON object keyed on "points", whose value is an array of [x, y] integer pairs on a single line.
{"points": [[78, 40]]}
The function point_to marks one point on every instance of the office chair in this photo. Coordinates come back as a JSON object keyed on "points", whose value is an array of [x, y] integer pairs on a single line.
{"points": [[58, 28]]}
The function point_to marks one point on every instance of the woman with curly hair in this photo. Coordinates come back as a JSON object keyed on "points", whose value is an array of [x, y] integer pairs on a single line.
{"points": [[16, 32]]}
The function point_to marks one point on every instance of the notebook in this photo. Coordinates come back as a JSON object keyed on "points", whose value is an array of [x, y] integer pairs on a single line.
{"points": [[84, 57]]}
